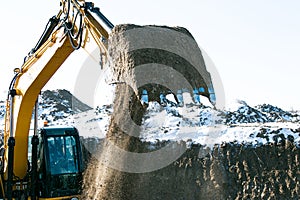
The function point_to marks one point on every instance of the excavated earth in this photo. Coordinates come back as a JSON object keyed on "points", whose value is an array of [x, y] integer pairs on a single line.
{"points": [[228, 171]]}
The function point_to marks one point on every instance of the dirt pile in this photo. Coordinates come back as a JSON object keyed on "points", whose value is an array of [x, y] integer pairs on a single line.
{"points": [[228, 171], [164, 60]]}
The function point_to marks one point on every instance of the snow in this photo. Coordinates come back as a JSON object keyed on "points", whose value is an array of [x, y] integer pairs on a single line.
{"points": [[235, 105], [203, 125], [191, 122]]}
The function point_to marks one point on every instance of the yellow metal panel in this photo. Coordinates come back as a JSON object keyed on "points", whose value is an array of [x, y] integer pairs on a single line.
{"points": [[30, 85]]}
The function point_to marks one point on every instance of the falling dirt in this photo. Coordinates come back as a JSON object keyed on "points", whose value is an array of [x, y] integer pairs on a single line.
{"points": [[228, 171]]}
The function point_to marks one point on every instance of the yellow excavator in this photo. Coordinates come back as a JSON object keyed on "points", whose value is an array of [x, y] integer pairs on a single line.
{"points": [[54, 168]]}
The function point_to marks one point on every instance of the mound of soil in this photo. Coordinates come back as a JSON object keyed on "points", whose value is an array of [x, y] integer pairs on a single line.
{"points": [[230, 171]]}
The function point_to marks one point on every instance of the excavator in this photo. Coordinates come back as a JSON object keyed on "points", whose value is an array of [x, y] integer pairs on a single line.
{"points": [[54, 168]]}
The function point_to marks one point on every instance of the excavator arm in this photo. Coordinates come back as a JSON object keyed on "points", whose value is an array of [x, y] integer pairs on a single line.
{"points": [[27, 85], [70, 30]]}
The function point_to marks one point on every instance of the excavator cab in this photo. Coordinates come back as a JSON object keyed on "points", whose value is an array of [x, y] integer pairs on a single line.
{"points": [[59, 162]]}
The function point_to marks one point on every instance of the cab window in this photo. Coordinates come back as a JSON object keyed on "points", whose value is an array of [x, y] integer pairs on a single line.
{"points": [[63, 156]]}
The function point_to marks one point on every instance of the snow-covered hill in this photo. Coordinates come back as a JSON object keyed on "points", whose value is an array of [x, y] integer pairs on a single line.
{"points": [[207, 126], [259, 114], [193, 122], [58, 105]]}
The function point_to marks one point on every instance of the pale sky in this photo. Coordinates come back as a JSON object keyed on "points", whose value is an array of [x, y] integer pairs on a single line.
{"points": [[254, 44]]}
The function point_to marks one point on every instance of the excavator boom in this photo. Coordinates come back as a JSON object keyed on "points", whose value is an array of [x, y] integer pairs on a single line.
{"points": [[70, 30]]}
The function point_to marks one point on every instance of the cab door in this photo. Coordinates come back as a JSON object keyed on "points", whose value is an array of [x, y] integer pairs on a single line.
{"points": [[60, 172]]}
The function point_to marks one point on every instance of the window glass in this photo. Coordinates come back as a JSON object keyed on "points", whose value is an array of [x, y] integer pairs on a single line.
{"points": [[62, 154]]}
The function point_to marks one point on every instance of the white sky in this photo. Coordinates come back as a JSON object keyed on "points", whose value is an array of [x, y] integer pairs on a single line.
{"points": [[254, 44]]}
